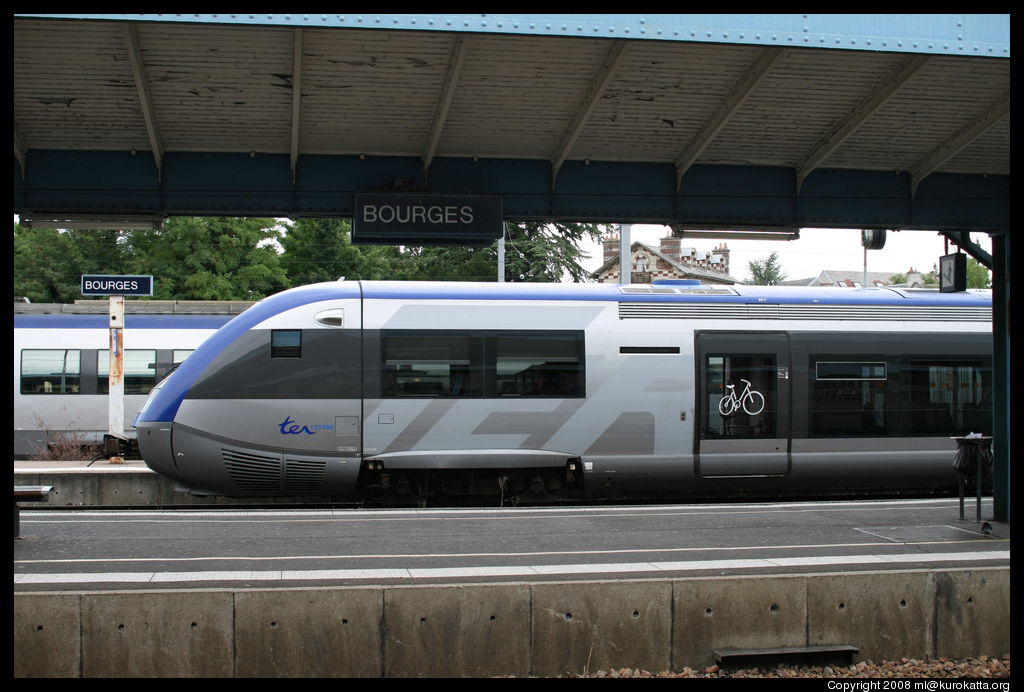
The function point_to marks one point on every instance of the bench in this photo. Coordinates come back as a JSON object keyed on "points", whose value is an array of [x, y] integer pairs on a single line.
{"points": [[28, 493]]}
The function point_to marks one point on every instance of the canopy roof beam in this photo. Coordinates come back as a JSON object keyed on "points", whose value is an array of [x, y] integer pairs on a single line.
{"points": [[451, 81], [296, 98], [858, 116], [992, 114], [131, 38], [739, 93], [598, 86]]}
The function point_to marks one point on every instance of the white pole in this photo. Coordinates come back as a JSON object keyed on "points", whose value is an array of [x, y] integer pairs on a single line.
{"points": [[625, 254], [501, 258], [115, 396]]}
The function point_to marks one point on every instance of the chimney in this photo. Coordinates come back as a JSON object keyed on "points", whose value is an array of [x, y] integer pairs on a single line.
{"points": [[670, 247], [611, 247], [723, 250]]}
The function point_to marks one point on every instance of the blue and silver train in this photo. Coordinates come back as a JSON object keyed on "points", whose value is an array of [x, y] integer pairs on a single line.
{"points": [[542, 391]]}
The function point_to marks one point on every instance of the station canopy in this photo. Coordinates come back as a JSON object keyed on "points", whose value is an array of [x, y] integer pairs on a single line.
{"points": [[674, 119]]}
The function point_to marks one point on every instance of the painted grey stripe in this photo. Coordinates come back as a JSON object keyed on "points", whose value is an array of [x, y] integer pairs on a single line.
{"points": [[421, 425], [505, 570]]}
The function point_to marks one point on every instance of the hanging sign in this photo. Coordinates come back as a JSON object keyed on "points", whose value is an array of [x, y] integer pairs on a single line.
{"points": [[394, 219]]}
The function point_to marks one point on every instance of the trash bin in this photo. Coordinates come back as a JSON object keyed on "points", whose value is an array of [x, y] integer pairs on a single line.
{"points": [[972, 463]]}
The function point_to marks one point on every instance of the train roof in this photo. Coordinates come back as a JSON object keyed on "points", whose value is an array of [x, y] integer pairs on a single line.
{"points": [[668, 292], [212, 314]]}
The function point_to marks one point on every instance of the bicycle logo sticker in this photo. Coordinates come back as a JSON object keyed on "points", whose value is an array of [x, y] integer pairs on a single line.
{"points": [[751, 401]]}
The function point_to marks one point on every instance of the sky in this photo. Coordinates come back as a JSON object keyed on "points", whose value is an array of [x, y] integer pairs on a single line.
{"points": [[816, 249]]}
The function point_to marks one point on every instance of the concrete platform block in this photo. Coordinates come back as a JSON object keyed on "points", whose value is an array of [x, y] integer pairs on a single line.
{"points": [[736, 613], [887, 615], [157, 634], [47, 636], [972, 613], [584, 627], [457, 631], [307, 633]]}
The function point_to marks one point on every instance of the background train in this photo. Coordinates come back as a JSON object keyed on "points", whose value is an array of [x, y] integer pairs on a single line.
{"points": [[61, 364], [533, 391]]}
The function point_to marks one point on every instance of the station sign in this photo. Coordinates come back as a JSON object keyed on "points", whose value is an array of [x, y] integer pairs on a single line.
{"points": [[405, 219], [110, 285]]}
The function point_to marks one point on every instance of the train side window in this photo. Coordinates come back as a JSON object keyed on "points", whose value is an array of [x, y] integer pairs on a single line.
{"points": [[51, 371], [848, 398], [545, 364], [139, 371], [432, 364], [741, 396], [946, 397], [285, 343], [179, 355]]}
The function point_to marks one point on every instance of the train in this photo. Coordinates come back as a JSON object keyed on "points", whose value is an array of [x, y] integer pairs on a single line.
{"points": [[61, 362], [406, 391]]}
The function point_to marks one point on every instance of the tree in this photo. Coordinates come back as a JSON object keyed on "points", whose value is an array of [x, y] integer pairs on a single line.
{"points": [[48, 264], [767, 272], [321, 250], [534, 251], [978, 275], [211, 258]]}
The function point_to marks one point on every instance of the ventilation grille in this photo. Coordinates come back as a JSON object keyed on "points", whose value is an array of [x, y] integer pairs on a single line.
{"points": [[253, 473], [304, 475], [742, 311]]}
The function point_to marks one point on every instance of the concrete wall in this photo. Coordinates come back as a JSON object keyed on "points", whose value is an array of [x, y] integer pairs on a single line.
{"points": [[541, 629]]}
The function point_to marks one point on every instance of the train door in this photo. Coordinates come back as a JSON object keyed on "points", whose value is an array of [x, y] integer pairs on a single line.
{"points": [[743, 403]]}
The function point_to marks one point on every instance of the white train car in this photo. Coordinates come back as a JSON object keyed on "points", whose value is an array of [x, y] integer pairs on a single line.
{"points": [[535, 390], [61, 362]]}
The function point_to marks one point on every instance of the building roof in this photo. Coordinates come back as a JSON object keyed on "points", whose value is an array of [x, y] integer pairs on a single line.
{"points": [[681, 267]]}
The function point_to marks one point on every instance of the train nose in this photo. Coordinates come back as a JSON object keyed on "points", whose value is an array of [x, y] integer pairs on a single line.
{"points": [[155, 446]]}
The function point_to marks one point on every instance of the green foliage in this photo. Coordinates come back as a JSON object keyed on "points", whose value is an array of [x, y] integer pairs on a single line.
{"points": [[978, 275], [48, 264], [321, 250], [211, 258], [767, 272]]}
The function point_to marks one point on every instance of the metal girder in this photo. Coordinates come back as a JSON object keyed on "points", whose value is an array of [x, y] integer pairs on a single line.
{"points": [[145, 100], [988, 117], [858, 116], [296, 97], [451, 81], [240, 184], [963, 240], [597, 89], [737, 95]]}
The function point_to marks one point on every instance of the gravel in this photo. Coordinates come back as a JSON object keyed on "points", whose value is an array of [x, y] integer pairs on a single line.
{"points": [[981, 667]]}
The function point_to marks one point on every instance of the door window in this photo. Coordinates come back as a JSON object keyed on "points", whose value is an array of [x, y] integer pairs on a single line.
{"points": [[741, 396]]}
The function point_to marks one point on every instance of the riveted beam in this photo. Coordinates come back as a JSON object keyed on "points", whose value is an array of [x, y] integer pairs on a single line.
{"points": [[929, 164], [131, 38], [858, 116], [597, 88], [451, 81], [738, 94]]}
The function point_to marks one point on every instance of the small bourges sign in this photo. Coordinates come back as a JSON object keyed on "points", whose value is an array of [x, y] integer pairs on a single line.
{"points": [[404, 219], [107, 285]]}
